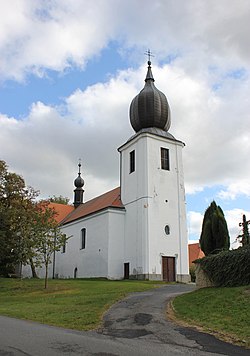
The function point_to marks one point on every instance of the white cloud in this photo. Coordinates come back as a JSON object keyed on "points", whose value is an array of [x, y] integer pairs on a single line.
{"points": [[94, 122], [233, 218], [213, 127], [36, 36], [54, 35], [47, 144], [208, 99], [194, 219], [234, 190]]}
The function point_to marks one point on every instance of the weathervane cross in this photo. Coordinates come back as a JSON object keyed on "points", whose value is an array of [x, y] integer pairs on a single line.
{"points": [[149, 54], [79, 165]]}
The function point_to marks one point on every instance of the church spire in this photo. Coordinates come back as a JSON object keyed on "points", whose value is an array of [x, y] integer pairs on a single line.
{"points": [[149, 75], [79, 183]]}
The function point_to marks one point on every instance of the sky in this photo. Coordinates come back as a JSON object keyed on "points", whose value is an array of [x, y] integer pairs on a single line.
{"points": [[69, 70]]}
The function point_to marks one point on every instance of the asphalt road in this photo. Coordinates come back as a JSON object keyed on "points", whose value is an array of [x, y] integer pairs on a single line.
{"points": [[135, 326]]}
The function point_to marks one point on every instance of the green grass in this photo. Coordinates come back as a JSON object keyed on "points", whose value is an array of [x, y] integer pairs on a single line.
{"points": [[225, 311], [74, 304]]}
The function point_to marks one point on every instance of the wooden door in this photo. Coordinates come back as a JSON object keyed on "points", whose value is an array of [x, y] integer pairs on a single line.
{"points": [[168, 269], [126, 270]]}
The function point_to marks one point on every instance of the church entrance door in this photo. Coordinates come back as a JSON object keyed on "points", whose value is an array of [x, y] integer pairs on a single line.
{"points": [[168, 269], [126, 270]]}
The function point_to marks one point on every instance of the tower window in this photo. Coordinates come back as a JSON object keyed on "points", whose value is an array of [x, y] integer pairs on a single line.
{"points": [[167, 230], [64, 247], [165, 158], [83, 238], [132, 161]]}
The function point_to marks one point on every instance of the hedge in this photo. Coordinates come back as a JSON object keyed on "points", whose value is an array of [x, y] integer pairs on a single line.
{"points": [[228, 268]]}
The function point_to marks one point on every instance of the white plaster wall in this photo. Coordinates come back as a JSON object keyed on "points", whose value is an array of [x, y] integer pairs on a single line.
{"points": [[104, 253], [134, 195], [144, 194], [116, 244], [40, 271], [91, 261], [134, 185], [135, 242], [167, 207], [26, 271]]}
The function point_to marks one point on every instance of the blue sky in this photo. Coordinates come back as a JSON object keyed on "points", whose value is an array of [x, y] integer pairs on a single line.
{"points": [[69, 70], [54, 86]]}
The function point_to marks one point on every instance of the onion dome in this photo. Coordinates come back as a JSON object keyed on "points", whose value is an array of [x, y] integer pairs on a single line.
{"points": [[79, 182], [150, 107]]}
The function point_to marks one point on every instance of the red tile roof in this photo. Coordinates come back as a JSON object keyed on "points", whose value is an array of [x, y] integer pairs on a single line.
{"points": [[104, 201], [194, 252], [62, 210]]}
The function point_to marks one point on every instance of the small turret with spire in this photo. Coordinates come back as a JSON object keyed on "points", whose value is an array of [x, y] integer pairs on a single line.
{"points": [[79, 183]]}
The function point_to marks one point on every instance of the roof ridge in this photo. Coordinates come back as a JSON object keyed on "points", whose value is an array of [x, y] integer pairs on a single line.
{"points": [[112, 198]]}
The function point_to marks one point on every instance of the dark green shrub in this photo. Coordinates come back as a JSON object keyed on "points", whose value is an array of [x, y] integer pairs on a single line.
{"points": [[228, 268]]}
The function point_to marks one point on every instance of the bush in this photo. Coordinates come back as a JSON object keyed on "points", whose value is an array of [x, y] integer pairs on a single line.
{"points": [[192, 273], [228, 268]]}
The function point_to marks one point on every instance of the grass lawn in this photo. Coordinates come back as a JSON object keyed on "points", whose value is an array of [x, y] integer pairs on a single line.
{"points": [[75, 304], [225, 311]]}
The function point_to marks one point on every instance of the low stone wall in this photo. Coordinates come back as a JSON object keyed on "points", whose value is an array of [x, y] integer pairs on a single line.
{"points": [[202, 279], [183, 278]]}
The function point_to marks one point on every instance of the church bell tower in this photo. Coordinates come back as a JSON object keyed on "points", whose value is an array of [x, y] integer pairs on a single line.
{"points": [[152, 191]]}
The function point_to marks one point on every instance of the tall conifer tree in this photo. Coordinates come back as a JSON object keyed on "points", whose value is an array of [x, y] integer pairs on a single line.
{"points": [[214, 235]]}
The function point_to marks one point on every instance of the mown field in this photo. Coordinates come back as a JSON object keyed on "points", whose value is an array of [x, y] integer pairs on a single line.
{"points": [[222, 311], [80, 303], [74, 304]]}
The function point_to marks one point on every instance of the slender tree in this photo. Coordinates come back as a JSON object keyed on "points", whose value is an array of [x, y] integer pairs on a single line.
{"points": [[48, 238], [214, 235]]}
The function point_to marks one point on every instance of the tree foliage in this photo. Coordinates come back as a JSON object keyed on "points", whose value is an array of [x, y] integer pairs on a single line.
{"points": [[29, 232], [48, 237], [16, 220], [59, 200], [214, 235]]}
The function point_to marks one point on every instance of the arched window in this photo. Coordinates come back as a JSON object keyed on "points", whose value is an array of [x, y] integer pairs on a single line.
{"points": [[83, 238]]}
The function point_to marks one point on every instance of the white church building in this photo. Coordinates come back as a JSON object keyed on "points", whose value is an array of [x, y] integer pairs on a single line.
{"points": [[137, 230]]}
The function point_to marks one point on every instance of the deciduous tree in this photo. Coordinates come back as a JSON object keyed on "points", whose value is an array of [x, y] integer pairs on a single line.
{"points": [[16, 214], [48, 237], [29, 232], [59, 200]]}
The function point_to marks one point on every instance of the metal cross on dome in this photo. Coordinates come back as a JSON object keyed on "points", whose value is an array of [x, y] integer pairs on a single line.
{"points": [[149, 54], [79, 165]]}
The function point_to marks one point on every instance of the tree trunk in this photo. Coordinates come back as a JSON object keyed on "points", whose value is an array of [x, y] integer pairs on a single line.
{"points": [[33, 269], [46, 276]]}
